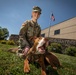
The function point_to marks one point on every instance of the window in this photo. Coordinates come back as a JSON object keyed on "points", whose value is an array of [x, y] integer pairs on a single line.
{"points": [[57, 32]]}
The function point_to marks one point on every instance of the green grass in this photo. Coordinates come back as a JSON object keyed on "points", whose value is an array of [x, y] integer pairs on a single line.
{"points": [[11, 64]]}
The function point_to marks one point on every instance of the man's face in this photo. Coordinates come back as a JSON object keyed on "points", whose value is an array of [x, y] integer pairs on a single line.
{"points": [[35, 15]]}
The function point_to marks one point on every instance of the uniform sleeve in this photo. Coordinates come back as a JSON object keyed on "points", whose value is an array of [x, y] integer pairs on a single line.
{"points": [[22, 35], [23, 30]]}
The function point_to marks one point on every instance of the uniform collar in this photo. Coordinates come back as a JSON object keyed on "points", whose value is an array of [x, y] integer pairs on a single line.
{"points": [[34, 23]]}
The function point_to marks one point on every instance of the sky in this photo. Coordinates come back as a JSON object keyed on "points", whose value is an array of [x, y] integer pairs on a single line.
{"points": [[14, 12]]}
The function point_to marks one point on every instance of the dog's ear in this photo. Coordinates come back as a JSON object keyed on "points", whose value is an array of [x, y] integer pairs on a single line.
{"points": [[47, 42], [33, 39], [40, 37], [46, 39]]}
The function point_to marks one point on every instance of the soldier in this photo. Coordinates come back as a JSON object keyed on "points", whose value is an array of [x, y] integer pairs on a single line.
{"points": [[30, 29]]}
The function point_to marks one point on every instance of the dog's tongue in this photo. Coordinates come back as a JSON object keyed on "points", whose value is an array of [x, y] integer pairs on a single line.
{"points": [[41, 50]]}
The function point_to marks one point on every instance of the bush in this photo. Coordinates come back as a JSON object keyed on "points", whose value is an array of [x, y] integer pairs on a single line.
{"points": [[0, 41], [10, 42], [71, 51], [55, 47], [3, 41]]}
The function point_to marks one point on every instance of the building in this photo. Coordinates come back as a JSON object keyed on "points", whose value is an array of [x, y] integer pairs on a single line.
{"points": [[63, 30], [15, 38]]}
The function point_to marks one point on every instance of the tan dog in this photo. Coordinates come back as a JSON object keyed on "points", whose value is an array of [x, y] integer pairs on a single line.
{"points": [[38, 50], [13, 50], [17, 51]]}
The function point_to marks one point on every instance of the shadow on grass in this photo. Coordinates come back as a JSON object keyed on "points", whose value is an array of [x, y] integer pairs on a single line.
{"points": [[51, 71]]}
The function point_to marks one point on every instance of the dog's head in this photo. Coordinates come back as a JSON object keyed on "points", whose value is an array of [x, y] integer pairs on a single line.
{"points": [[40, 44]]}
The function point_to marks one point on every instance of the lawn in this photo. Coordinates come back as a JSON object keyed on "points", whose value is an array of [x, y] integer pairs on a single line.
{"points": [[11, 64]]}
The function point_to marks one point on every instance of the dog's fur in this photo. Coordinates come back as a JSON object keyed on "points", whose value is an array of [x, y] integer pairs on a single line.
{"points": [[44, 57]]}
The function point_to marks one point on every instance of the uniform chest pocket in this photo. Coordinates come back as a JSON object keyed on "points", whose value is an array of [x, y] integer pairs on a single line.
{"points": [[36, 31], [30, 31]]}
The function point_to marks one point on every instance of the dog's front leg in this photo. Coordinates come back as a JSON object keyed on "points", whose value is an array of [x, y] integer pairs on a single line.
{"points": [[52, 60], [42, 64], [26, 66]]}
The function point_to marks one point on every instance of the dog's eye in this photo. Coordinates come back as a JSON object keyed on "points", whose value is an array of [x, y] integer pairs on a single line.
{"points": [[40, 37]]}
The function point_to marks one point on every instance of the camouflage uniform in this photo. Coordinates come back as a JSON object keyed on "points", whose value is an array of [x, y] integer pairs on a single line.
{"points": [[28, 30]]}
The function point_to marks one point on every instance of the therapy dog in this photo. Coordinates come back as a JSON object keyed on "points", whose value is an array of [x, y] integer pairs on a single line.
{"points": [[41, 55]]}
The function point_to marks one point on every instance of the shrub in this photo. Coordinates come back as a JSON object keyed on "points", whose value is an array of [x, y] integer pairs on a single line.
{"points": [[3, 41], [71, 51], [10, 42], [0, 41], [55, 47]]}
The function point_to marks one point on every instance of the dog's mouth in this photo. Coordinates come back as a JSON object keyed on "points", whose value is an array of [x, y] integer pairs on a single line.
{"points": [[41, 50], [41, 46]]}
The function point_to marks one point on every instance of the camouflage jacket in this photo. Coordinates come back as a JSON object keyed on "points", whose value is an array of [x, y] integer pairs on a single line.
{"points": [[28, 30]]}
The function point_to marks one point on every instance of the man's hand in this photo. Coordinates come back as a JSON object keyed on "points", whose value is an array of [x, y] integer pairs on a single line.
{"points": [[26, 49]]}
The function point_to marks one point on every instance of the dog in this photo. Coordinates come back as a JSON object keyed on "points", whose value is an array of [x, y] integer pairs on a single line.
{"points": [[16, 51], [41, 55], [13, 50]]}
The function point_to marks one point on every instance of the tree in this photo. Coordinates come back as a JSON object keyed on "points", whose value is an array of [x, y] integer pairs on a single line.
{"points": [[4, 33]]}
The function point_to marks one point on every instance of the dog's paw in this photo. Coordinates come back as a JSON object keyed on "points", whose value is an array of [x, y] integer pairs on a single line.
{"points": [[26, 71]]}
